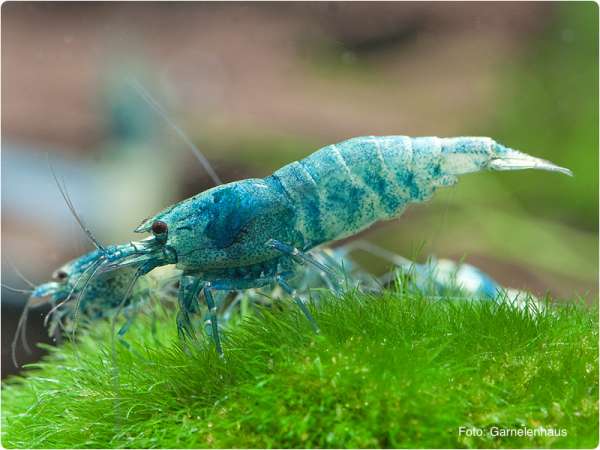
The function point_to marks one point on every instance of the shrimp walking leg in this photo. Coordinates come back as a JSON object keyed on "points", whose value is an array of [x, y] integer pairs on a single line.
{"points": [[189, 290], [212, 309], [287, 288], [303, 258], [130, 314], [226, 285]]}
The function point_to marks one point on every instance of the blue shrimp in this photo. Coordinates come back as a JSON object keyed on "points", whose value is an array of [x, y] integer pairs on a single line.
{"points": [[253, 232], [73, 292], [439, 277], [443, 276]]}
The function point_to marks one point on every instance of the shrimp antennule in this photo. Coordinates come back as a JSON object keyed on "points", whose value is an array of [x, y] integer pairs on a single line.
{"points": [[161, 112], [65, 195]]}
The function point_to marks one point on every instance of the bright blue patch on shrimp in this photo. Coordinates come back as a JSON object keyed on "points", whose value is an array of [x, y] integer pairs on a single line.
{"points": [[488, 286], [227, 223]]}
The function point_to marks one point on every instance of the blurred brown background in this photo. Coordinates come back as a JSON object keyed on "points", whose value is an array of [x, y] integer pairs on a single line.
{"points": [[257, 85]]}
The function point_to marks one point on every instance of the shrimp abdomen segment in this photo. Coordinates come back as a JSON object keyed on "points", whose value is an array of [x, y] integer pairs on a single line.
{"points": [[343, 188]]}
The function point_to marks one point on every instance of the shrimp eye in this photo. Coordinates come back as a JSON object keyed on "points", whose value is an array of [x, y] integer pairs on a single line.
{"points": [[60, 275], [159, 227]]}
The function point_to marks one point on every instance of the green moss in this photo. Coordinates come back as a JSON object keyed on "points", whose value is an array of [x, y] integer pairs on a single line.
{"points": [[386, 371]]}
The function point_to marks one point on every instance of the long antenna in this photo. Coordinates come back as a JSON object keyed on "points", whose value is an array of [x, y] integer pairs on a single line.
{"points": [[20, 274], [15, 341], [94, 269], [160, 110], [65, 195], [18, 291]]}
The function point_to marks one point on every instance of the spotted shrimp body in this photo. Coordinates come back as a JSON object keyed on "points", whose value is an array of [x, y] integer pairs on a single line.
{"points": [[74, 292], [344, 188], [254, 232]]}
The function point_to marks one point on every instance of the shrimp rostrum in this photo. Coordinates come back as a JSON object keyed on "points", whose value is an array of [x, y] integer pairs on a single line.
{"points": [[254, 232]]}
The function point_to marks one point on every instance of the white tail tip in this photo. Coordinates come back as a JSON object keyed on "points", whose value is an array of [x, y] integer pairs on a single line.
{"points": [[514, 160]]}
